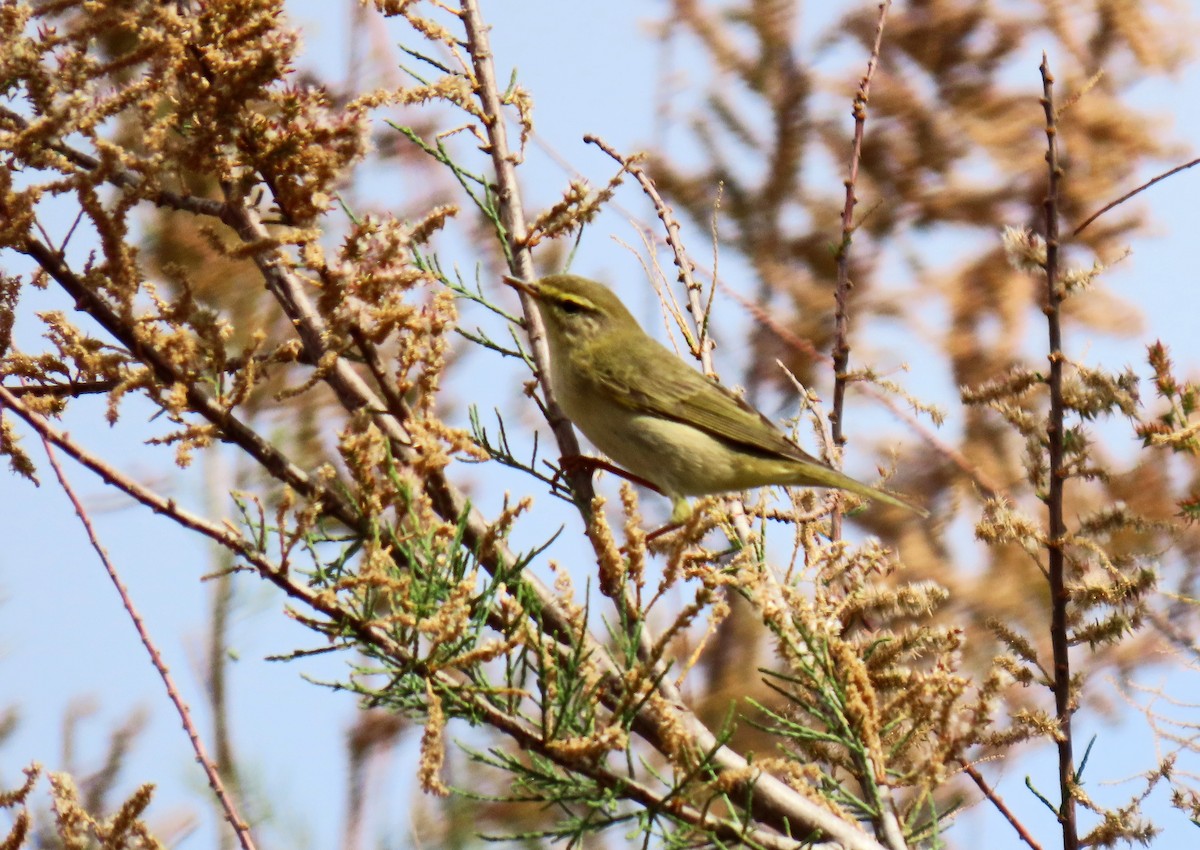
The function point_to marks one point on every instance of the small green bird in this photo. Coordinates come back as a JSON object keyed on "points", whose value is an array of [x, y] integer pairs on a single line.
{"points": [[656, 416]]}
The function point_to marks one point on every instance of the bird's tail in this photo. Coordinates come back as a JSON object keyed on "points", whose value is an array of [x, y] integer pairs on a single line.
{"points": [[825, 476]]}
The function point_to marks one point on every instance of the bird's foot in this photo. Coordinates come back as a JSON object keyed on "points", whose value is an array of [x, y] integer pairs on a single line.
{"points": [[666, 529], [571, 464]]}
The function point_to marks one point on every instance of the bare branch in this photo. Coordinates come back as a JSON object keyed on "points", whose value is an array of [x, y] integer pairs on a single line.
{"points": [[228, 806], [1064, 706], [841, 343]]}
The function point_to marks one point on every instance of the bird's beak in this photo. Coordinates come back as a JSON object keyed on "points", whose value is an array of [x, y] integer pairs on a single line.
{"points": [[530, 288]]}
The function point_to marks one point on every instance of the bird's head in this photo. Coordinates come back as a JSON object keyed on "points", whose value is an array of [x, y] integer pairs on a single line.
{"points": [[576, 310]]}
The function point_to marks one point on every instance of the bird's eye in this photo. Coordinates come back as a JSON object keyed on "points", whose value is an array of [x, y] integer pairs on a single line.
{"points": [[571, 308]]}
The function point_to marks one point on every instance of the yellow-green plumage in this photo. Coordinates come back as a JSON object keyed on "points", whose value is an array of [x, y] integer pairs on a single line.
{"points": [[655, 415]]}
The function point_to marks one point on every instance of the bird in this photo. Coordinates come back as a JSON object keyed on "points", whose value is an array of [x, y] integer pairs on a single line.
{"points": [[656, 416]]}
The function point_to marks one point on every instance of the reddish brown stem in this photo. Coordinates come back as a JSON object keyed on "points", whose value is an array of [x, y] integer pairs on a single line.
{"points": [[1056, 571], [841, 321], [240, 828], [704, 343], [1128, 195], [995, 800], [588, 465]]}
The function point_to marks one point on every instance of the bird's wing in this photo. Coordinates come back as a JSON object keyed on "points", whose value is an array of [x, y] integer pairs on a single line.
{"points": [[675, 391]]}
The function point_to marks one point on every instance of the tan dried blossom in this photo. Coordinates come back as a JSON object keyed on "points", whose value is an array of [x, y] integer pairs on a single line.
{"points": [[798, 775], [18, 461], [17, 208], [1183, 438], [433, 745], [434, 220], [1002, 523], [21, 825], [718, 611], [18, 796], [453, 618], [1014, 383], [499, 528], [675, 740], [485, 651], [548, 682], [427, 27], [578, 207], [596, 745], [435, 444], [564, 591], [610, 562], [456, 89], [1092, 392], [124, 829], [635, 536], [892, 602], [1025, 250], [1037, 722], [200, 435], [522, 99], [1081, 279], [703, 601], [859, 701], [305, 147], [391, 8]]}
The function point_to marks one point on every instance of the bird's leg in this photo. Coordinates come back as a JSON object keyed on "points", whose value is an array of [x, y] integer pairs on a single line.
{"points": [[659, 532], [681, 510], [583, 463]]}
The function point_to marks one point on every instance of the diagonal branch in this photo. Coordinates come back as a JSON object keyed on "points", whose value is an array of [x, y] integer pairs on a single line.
{"points": [[1113, 204], [704, 343], [231, 427], [995, 800], [236, 822]]}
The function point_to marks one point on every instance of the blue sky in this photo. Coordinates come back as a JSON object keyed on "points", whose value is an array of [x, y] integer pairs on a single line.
{"points": [[64, 638]]}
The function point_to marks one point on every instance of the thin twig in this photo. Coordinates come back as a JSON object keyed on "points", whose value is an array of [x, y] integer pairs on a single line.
{"points": [[240, 828], [1129, 195], [71, 389], [704, 343], [1059, 596], [995, 800], [841, 321], [887, 824]]}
